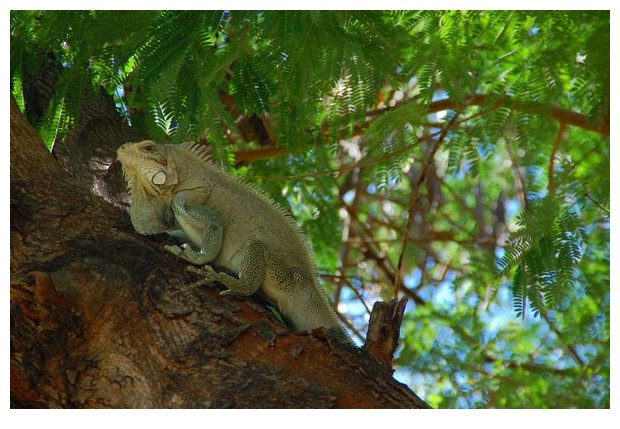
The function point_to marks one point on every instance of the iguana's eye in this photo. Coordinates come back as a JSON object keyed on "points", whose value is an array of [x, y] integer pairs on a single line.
{"points": [[159, 178]]}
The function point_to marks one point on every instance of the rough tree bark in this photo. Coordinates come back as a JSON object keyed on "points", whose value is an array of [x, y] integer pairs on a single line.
{"points": [[100, 316]]}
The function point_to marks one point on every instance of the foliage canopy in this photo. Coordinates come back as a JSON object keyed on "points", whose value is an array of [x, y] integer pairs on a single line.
{"points": [[460, 158]]}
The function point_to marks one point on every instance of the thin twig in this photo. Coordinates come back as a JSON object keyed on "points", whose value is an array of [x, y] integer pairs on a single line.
{"points": [[571, 350], [382, 263], [354, 176], [596, 203], [415, 194], [556, 145], [519, 179]]}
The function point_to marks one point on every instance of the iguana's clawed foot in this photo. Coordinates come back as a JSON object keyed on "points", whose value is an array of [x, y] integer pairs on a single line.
{"points": [[209, 275], [206, 271]]}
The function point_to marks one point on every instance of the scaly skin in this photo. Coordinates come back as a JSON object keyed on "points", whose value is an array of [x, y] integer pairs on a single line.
{"points": [[229, 223]]}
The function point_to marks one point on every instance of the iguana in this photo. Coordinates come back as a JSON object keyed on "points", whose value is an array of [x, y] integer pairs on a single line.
{"points": [[228, 223]]}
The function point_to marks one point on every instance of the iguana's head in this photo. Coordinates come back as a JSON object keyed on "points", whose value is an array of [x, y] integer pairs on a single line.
{"points": [[148, 167]]}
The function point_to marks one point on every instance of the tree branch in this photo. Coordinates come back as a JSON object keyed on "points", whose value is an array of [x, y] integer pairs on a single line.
{"points": [[565, 116], [75, 262]]}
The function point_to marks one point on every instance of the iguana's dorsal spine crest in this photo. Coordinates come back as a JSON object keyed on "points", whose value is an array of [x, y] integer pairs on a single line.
{"points": [[200, 151]]}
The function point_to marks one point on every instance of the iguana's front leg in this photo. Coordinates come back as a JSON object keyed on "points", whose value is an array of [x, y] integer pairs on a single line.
{"points": [[205, 230], [202, 226]]}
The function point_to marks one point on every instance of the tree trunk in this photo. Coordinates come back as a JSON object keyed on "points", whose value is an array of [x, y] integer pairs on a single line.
{"points": [[102, 317]]}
